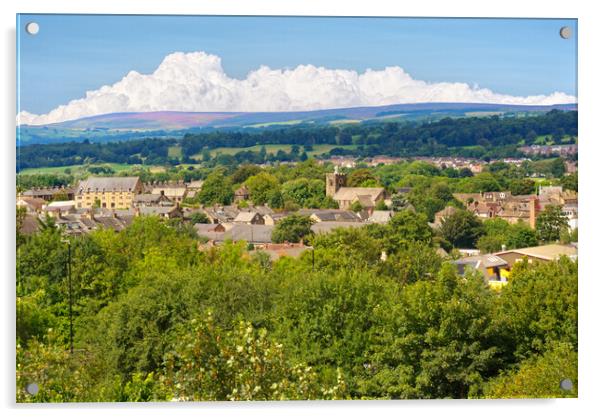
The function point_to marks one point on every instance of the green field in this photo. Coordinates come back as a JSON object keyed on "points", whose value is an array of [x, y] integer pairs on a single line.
{"points": [[344, 122], [75, 169], [268, 124], [174, 152], [82, 170], [547, 140], [272, 149], [483, 113]]}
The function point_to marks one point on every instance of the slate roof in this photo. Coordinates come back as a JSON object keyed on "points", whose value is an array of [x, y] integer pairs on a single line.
{"points": [[331, 215], [222, 214], [380, 216], [245, 216], [252, 233], [84, 221], [215, 236], [42, 192], [487, 261], [110, 184], [157, 210], [366, 200], [110, 222], [89, 223], [480, 263], [148, 198], [202, 228], [33, 202], [127, 219], [545, 252], [351, 193], [278, 216], [263, 210], [177, 192]]}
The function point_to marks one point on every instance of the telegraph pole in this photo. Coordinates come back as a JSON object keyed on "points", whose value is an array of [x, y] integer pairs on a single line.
{"points": [[68, 242]]}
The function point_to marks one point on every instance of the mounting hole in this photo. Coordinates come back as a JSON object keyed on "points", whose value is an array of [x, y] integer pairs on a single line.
{"points": [[566, 384], [565, 32], [32, 28], [32, 388]]}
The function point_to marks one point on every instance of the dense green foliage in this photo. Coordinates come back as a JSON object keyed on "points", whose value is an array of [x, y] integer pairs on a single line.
{"points": [[538, 377], [462, 229], [292, 229], [154, 151], [570, 182], [216, 189], [263, 188], [499, 234], [551, 223], [156, 319]]}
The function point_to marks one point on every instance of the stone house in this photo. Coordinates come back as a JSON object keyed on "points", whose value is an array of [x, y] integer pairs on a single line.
{"points": [[108, 192]]}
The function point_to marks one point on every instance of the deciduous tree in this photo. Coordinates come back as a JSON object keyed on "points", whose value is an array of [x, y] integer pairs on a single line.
{"points": [[292, 229], [551, 223]]}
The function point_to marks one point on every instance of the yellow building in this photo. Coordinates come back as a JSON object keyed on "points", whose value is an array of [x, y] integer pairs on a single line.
{"points": [[107, 192], [494, 269]]}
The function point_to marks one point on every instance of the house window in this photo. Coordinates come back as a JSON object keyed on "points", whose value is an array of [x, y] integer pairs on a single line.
{"points": [[104, 205], [112, 205]]}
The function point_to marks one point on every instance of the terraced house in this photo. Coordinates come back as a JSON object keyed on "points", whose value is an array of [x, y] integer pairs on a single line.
{"points": [[108, 192]]}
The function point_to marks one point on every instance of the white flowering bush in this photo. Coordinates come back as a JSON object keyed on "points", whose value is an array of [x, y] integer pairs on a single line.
{"points": [[242, 364]]}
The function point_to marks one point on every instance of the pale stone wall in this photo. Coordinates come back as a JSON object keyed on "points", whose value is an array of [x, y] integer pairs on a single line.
{"points": [[108, 199]]}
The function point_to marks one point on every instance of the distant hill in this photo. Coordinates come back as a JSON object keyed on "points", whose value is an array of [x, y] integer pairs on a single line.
{"points": [[123, 126]]}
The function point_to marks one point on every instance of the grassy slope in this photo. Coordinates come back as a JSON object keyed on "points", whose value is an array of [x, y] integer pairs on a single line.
{"points": [[272, 149], [75, 169], [174, 151]]}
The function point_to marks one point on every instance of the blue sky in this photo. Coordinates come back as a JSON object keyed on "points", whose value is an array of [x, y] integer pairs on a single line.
{"points": [[75, 53]]}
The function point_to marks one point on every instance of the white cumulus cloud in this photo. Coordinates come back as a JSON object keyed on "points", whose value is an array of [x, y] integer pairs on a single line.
{"points": [[197, 82]]}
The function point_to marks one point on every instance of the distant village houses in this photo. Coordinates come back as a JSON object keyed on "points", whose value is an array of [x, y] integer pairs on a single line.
{"points": [[174, 192], [561, 150], [108, 192], [49, 193], [520, 208]]}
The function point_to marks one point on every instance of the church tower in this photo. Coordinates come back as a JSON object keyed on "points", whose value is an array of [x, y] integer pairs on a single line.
{"points": [[334, 181]]}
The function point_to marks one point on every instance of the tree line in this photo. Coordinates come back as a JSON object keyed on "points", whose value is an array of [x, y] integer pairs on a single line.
{"points": [[477, 137]]}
